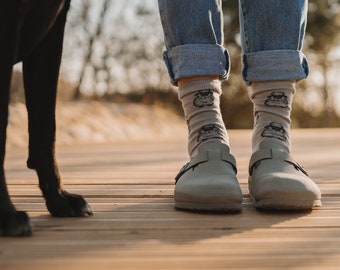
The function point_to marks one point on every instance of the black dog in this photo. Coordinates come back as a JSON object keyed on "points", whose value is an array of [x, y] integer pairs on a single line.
{"points": [[32, 31]]}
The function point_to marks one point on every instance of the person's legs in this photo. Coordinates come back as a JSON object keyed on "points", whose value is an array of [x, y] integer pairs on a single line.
{"points": [[197, 61], [272, 33], [193, 38]]}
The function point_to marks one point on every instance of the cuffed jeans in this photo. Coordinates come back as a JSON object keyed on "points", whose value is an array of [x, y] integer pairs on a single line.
{"points": [[272, 33]]}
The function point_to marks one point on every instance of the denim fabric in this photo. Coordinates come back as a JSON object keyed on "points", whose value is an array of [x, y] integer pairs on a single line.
{"points": [[193, 38], [272, 33]]}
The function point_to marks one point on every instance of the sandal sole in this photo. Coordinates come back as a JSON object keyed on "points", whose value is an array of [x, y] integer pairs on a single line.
{"points": [[272, 204], [217, 208]]}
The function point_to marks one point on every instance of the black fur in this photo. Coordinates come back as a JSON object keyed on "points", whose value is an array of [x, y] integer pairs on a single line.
{"points": [[32, 31]]}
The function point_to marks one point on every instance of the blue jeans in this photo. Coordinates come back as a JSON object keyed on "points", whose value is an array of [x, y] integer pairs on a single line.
{"points": [[272, 33]]}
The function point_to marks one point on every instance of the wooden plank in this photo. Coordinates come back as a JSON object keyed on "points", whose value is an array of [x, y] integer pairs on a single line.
{"points": [[135, 226], [142, 204]]}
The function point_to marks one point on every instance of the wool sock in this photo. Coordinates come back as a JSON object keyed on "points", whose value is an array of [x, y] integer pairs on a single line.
{"points": [[272, 107], [201, 103]]}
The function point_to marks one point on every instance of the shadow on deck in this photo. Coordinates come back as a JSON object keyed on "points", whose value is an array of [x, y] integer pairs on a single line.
{"points": [[130, 188]]}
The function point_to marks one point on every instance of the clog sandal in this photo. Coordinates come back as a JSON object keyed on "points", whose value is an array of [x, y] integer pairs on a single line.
{"points": [[277, 182], [208, 182]]}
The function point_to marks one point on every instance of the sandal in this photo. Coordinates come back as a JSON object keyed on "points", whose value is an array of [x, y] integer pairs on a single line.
{"points": [[208, 182], [277, 182]]}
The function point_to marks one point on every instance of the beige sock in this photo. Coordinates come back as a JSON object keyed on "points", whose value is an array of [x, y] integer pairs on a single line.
{"points": [[272, 107], [201, 103]]}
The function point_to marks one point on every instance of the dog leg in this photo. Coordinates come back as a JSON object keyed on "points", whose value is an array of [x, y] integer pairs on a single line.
{"points": [[41, 71], [12, 222]]}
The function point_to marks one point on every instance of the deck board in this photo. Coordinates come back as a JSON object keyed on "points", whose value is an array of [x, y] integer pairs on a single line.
{"points": [[130, 188]]}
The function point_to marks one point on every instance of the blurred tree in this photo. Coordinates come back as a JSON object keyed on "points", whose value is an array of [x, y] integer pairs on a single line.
{"points": [[91, 37], [323, 36], [119, 44], [116, 46]]}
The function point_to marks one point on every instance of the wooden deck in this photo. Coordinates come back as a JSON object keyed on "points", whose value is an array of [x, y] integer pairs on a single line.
{"points": [[130, 188]]}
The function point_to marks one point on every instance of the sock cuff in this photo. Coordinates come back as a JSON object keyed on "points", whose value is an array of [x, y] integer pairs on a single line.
{"points": [[266, 86], [196, 85]]}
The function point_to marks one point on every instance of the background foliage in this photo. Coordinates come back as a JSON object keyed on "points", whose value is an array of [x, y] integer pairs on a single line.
{"points": [[113, 51]]}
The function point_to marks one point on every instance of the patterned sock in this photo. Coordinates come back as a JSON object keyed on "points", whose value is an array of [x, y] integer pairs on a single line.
{"points": [[201, 103], [272, 107]]}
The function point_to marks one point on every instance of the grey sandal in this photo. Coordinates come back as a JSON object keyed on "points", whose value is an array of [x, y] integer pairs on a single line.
{"points": [[208, 182], [277, 182]]}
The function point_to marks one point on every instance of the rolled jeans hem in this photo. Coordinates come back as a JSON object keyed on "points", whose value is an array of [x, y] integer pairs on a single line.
{"points": [[274, 65], [191, 60]]}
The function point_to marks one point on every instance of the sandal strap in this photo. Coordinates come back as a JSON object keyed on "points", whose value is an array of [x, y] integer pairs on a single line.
{"points": [[269, 153], [205, 156]]}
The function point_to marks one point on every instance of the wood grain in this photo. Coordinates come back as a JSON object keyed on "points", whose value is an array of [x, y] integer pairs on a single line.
{"points": [[130, 188]]}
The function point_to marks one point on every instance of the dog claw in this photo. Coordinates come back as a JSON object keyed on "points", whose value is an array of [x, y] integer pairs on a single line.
{"points": [[15, 224], [68, 205]]}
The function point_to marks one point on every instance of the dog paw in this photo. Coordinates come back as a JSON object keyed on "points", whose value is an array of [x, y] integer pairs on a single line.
{"points": [[15, 224], [68, 205]]}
